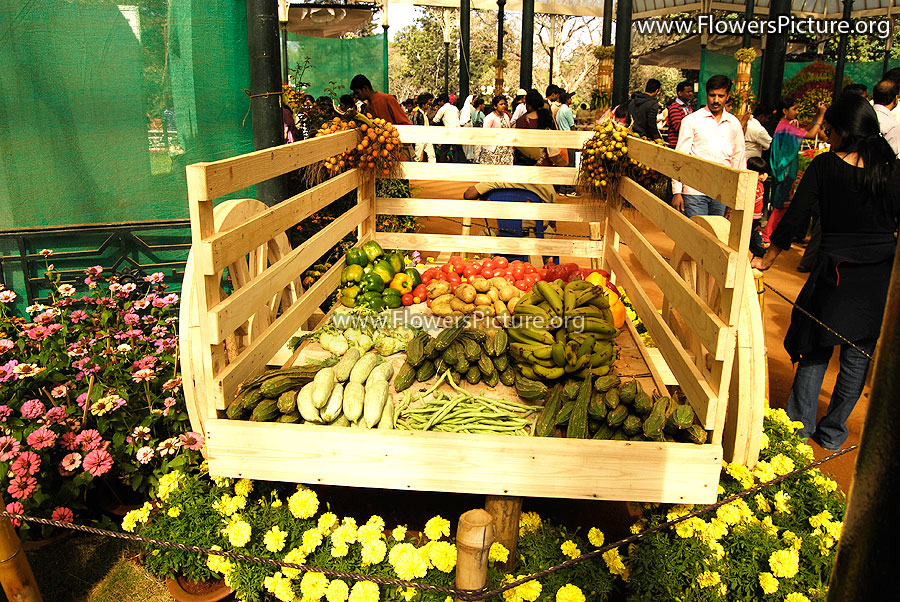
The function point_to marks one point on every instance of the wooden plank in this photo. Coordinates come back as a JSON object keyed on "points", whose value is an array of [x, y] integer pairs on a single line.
{"points": [[655, 373], [424, 461], [460, 172], [254, 357], [699, 317], [493, 136], [656, 362], [225, 247], [234, 173], [715, 180], [561, 212], [228, 315], [489, 244], [712, 254], [691, 381]]}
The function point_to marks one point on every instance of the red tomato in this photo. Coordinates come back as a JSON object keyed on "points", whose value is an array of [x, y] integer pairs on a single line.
{"points": [[428, 302], [454, 259], [420, 291], [522, 285], [500, 273], [447, 268], [517, 272], [531, 278], [489, 264], [500, 262], [426, 278], [407, 299], [487, 272], [475, 265], [542, 272], [516, 262], [570, 268], [469, 271], [530, 269], [442, 276], [459, 268], [453, 278]]}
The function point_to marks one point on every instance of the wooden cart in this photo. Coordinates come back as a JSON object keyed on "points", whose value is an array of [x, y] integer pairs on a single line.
{"points": [[708, 329]]}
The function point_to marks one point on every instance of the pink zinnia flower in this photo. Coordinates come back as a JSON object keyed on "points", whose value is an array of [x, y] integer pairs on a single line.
{"points": [[7, 296], [63, 515], [6, 345], [79, 315], [55, 415], [115, 287], [171, 383], [26, 370], [154, 278], [38, 333], [69, 441], [89, 439], [9, 448], [191, 440], [15, 508], [71, 461], [46, 252], [145, 454], [90, 282], [98, 462], [127, 289], [21, 488], [59, 391], [41, 438], [27, 463], [5, 412], [144, 374], [94, 271], [33, 408], [131, 319], [168, 447], [169, 402]]}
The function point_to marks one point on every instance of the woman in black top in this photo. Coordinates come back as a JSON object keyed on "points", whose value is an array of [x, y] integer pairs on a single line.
{"points": [[856, 189]]}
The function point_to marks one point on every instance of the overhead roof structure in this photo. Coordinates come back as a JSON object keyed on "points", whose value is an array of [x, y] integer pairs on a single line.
{"points": [[572, 8], [328, 19], [685, 53]]}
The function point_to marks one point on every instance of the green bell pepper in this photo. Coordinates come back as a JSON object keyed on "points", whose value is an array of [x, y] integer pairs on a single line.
{"points": [[372, 282], [349, 295], [397, 261], [391, 298], [356, 256], [384, 269], [373, 250], [415, 275], [351, 273], [371, 300]]}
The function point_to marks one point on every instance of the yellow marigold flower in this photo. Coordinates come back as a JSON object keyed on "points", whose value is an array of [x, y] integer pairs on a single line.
{"points": [[764, 442], [174, 511], [409, 593], [805, 451], [718, 550], [337, 591], [824, 484], [130, 521], [498, 552], [327, 522], [781, 464], [678, 510], [243, 487], [723, 589], [528, 522], [238, 532], [339, 550], [375, 522], [280, 587], [785, 563], [409, 564], [833, 528], [374, 552], [781, 501], [770, 527], [276, 503], [779, 415], [304, 503], [312, 539], [368, 533], [443, 556], [741, 474], [346, 533], [729, 514], [708, 579], [167, 484], [762, 503], [569, 593], [614, 562], [399, 533], [274, 539], [295, 556], [364, 591], [764, 471], [595, 537], [714, 530], [768, 583], [399, 549], [796, 425], [528, 591], [437, 527], [795, 597], [570, 549], [313, 586], [637, 527], [820, 519]]}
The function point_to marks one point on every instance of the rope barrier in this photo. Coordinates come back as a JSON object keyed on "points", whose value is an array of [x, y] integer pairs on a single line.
{"points": [[465, 595]]}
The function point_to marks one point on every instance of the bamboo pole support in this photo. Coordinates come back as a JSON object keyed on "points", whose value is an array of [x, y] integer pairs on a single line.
{"points": [[505, 510], [16, 576], [474, 536]]}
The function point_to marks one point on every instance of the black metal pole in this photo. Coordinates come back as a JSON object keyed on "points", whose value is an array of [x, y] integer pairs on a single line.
{"points": [[842, 52], [865, 564], [607, 22], [464, 20], [551, 65], [527, 44], [501, 4], [748, 16], [622, 57], [446, 67], [773, 57], [265, 88], [284, 56], [888, 45]]}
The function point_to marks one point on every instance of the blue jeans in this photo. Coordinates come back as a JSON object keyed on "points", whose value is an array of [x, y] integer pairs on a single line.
{"points": [[700, 204], [803, 402]]}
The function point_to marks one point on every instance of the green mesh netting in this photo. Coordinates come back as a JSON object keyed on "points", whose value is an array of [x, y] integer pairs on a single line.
{"points": [[336, 60], [104, 104], [868, 73]]}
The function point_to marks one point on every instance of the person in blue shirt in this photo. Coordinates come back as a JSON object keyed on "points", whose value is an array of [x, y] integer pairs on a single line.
{"points": [[565, 120]]}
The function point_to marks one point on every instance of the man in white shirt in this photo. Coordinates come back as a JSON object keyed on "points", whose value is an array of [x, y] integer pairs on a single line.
{"points": [[519, 109], [884, 95], [448, 115], [710, 133], [756, 138]]}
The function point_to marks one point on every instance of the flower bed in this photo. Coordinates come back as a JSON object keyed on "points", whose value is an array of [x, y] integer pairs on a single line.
{"points": [[90, 393]]}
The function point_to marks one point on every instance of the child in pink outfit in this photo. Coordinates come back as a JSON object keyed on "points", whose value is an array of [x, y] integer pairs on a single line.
{"points": [[757, 244]]}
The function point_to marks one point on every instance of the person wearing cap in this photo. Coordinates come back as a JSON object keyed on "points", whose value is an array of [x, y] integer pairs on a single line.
{"points": [[519, 108]]}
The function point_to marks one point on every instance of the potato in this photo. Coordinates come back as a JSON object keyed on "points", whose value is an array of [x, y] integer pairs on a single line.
{"points": [[499, 282], [436, 288], [441, 305], [460, 305], [511, 304], [465, 292], [482, 299], [509, 292], [484, 310], [500, 308], [481, 284], [494, 294]]}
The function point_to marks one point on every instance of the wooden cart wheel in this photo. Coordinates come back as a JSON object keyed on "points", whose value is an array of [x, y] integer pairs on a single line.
{"points": [[744, 418], [227, 215]]}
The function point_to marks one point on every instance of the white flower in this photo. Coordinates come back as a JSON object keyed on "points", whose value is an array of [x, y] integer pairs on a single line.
{"points": [[123, 347], [46, 252], [145, 454], [169, 446], [36, 308], [59, 391], [140, 432], [66, 290], [7, 296]]}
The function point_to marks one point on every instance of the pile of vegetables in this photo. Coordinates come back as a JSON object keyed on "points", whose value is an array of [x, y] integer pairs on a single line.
{"points": [[607, 409], [494, 297], [566, 329], [378, 148], [376, 280], [462, 412], [361, 329], [257, 398], [465, 353]]}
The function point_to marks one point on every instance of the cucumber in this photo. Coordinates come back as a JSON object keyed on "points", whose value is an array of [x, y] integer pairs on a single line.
{"points": [[323, 384], [343, 367], [305, 404], [334, 406], [363, 367], [353, 401], [373, 404]]}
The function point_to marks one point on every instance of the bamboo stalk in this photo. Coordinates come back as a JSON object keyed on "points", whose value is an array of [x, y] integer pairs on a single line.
{"points": [[505, 510], [16, 576], [474, 536]]}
